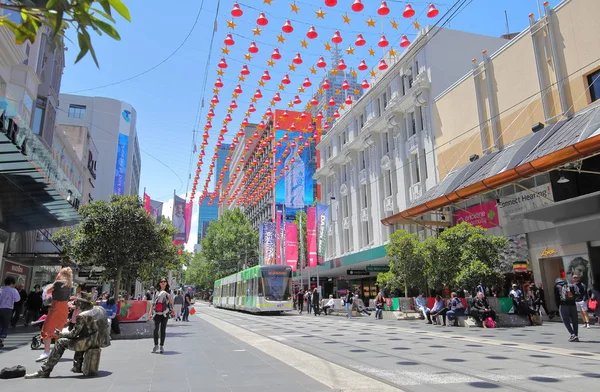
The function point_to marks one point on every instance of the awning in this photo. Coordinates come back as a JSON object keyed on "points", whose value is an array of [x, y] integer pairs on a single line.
{"points": [[564, 142], [566, 210], [34, 192]]}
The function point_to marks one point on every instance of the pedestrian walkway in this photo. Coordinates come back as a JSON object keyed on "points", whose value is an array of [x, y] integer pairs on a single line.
{"points": [[198, 356], [19, 336]]}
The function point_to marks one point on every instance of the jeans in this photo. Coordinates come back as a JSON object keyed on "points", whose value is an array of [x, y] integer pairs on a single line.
{"points": [[186, 312], [568, 314], [17, 311], [348, 310], [309, 306], [378, 313], [160, 321], [424, 310], [453, 313], [5, 317], [438, 313]]}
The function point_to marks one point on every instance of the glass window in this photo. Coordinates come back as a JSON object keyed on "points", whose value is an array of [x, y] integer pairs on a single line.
{"points": [[363, 161], [387, 178], [77, 111], [362, 120], [39, 115], [410, 77], [416, 171], [413, 122], [594, 83], [386, 142], [277, 284], [365, 196]]}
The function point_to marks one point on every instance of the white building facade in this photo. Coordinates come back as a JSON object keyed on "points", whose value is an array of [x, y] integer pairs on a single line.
{"points": [[379, 156]]}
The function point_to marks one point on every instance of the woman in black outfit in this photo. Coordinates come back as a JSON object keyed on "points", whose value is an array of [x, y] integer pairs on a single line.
{"points": [[162, 308], [480, 309]]}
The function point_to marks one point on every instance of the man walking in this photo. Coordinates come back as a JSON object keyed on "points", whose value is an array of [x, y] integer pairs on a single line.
{"points": [[18, 308], [565, 297], [8, 297], [33, 305], [581, 298]]}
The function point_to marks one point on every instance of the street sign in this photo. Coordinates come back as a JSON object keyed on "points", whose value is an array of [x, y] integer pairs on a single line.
{"points": [[357, 272], [378, 268]]}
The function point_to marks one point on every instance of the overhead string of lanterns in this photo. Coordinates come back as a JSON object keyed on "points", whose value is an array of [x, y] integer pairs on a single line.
{"points": [[254, 189]]}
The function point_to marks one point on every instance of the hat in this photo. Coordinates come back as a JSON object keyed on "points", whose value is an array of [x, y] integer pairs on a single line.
{"points": [[85, 297]]}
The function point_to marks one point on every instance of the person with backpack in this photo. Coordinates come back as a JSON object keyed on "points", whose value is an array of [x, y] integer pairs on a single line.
{"points": [[565, 298], [162, 308], [581, 298], [481, 310], [456, 308]]}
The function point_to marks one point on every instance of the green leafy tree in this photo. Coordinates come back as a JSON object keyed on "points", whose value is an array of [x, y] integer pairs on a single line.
{"points": [[120, 236], [437, 271], [406, 260], [201, 272], [81, 15], [231, 242], [390, 280]]}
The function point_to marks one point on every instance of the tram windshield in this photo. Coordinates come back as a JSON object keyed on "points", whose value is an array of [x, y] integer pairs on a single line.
{"points": [[277, 285]]}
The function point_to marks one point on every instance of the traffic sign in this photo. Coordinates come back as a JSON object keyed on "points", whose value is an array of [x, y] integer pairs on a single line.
{"points": [[378, 268], [357, 272]]}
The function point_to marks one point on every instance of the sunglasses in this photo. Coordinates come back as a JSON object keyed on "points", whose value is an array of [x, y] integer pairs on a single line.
{"points": [[163, 281]]}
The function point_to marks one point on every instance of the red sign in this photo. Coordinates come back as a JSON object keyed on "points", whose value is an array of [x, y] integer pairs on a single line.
{"points": [[291, 245], [311, 235], [17, 271], [484, 215], [132, 311], [285, 118]]}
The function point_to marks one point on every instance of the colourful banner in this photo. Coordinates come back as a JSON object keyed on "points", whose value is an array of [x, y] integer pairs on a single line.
{"points": [[291, 245], [321, 212], [147, 203], [133, 311], [484, 215], [189, 207], [269, 234], [279, 230], [156, 210], [178, 219], [311, 236], [261, 254], [121, 165]]}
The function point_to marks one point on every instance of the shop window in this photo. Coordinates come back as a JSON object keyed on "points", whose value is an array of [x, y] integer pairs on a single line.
{"points": [[593, 80]]}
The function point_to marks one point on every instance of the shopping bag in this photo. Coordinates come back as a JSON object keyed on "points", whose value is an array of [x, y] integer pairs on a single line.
{"points": [[192, 310]]}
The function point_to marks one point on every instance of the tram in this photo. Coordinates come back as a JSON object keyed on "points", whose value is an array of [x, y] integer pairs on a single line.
{"points": [[260, 289]]}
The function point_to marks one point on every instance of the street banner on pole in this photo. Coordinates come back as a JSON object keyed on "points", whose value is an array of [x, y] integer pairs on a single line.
{"points": [[189, 207], [156, 210], [178, 219], [147, 203], [269, 235], [291, 245], [279, 228], [311, 236], [261, 256], [321, 233]]}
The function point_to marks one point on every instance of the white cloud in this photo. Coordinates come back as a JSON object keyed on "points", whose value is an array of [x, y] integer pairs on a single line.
{"points": [[168, 212]]}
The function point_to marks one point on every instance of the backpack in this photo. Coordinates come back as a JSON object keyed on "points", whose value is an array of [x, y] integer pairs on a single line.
{"points": [[489, 323], [160, 307], [12, 372]]}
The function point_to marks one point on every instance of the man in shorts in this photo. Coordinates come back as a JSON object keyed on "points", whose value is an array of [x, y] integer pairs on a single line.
{"points": [[581, 298]]}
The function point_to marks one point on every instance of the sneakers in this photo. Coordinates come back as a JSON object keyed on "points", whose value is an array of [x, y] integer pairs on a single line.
{"points": [[587, 325], [161, 350], [38, 374], [574, 338], [43, 357], [155, 349]]}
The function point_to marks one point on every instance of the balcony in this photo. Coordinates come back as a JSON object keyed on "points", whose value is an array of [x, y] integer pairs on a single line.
{"points": [[388, 204], [362, 176], [34, 192], [346, 223], [412, 144], [415, 192], [364, 214]]}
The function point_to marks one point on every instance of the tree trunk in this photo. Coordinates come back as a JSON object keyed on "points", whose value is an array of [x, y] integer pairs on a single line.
{"points": [[118, 280], [405, 289]]}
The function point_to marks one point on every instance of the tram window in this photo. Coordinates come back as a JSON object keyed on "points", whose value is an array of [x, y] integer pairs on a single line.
{"points": [[260, 287]]}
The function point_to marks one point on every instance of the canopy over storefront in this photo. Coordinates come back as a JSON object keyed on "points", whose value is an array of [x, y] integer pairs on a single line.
{"points": [[557, 145], [34, 191]]}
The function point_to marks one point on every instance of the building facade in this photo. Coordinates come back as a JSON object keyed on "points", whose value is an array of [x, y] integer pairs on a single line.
{"points": [[378, 157], [112, 125]]}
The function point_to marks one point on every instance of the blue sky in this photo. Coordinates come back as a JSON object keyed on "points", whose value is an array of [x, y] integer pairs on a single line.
{"points": [[167, 98]]}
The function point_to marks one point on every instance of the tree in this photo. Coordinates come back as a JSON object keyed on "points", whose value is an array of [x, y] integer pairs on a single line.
{"points": [[231, 242], [437, 271], [406, 261], [201, 272], [390, 280], [122, 237], [59, 15]]}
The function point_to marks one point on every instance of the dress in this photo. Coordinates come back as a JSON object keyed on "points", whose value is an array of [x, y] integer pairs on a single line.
{"points": [[59, 310]]}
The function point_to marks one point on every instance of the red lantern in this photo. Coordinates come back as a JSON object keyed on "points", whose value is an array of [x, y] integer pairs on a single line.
{"points": [[312, 33], [292, 128], [341, 65], [244, 124], [253, 48], [276, 55], [215, 99], [365, 84], [236, 12], [408, 11], [337, 38], [314, 101], [208, 125], [285, 114], [262, 20], [238, 89], [245, 71], [229, 40], [362, 66], [297, 100], [383, 9], [297, 59], [251, 108], [261, 125], [255, 135], [320, 115], [266, 76], [331, 102], [432, 12], [404, 42], [222, 64], [285, 136], [233, 104], [228, 117], [321, 63], [286, 79], [357, 6], [218, 83], [336, 114], [287, 27], [326, 126], [277, 97], [330, 3], [303, 115], [383, 42], [360, 41], [258, 94], [348, 100], [345, 85], [269, 112], [211, 113], [326, 84], [306, 83]]}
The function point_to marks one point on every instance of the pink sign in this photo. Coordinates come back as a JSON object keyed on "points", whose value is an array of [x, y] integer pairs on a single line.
{"points": [[311, 235], [278, 228], [484, 215], [291, 245]]}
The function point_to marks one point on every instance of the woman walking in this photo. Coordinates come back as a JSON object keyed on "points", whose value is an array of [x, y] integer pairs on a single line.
{"points": [[162, 307], [59, 309]]}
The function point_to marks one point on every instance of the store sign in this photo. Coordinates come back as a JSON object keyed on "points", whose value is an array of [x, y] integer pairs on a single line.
{"points": [[378, 268], [547, 253], [357, 272], [484, 215], [520, 202], [17, 271]]}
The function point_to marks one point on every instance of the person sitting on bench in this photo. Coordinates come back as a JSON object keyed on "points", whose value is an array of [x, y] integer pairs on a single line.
{"points": [[91, 331], [439, 309], [480, 309], [329, 305]]}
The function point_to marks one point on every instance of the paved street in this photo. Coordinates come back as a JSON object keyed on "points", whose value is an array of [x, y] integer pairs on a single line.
{"points": [[222, 350]]}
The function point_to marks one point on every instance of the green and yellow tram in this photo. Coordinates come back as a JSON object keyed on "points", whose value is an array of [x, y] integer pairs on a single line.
{"points": [[260, 289]]}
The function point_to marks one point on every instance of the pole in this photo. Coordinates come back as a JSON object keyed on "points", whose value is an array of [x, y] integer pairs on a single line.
{"points": [[301, 235]]}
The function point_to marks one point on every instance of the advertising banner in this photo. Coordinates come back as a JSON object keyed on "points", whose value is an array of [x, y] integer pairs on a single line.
{"points": [[261, 256], [147, 203], [189, 207], [133, 311], [17, 271], [279, 230], [178, 219], [291, 245], [156, 210], [269, 234], [484, 215], [121, 165], [321, 211], [520, 202], [311, 236]]}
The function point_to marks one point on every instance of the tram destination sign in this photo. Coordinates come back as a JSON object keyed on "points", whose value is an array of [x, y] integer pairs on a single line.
{"points": [[378, 268], [354, 272]]}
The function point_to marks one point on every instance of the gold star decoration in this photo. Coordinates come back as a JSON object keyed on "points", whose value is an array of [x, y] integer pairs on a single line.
{"points": [[305, 130], [370, 22], [417, 24], [270, 63], [281, 86], [231, 24], [394, 24], [304, 43], [356, 91], [229, 110], [224, 123], [313, 70], [292, 67], [373, 73], [320, 14], [280, 38], [225, 50], [272, 103], [342, 106], [261, 83], [334, 72], [350, 50], [338, 91], [235, 95], [247, 114], [353, 73], [267, 2], [329, 118], [371, 52], [327, 46], [290, 104], [294, 7], [212, 105], [393, 52], [254, 99], [248, 56], [256, 31], [241, 78], [298, 120], [215, 90], [264, 116], [220, 72], [301, 89], [346, 18], [320, 91]]}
